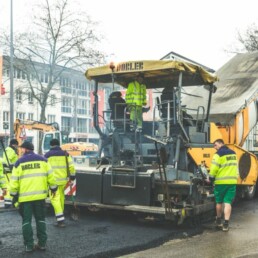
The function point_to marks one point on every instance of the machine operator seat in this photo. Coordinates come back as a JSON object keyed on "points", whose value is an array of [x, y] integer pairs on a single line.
{"points": [[167, 96], [118, 108]]}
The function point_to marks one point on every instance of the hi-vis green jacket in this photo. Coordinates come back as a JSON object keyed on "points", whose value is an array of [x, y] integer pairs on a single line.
{"points": [[11, 154], [136, 94], [62, 165], [31, 177], [224, 166]]}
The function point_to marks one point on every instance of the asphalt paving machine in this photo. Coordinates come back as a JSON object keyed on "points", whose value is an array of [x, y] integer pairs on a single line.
{"points": [[160, 170]]}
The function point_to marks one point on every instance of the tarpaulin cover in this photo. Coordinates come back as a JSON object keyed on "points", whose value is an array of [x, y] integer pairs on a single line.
{"points": [[158, 74], [238, 85]]}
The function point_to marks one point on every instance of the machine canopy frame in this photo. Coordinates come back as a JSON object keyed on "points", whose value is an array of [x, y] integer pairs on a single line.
{"points": [[157, 74]]}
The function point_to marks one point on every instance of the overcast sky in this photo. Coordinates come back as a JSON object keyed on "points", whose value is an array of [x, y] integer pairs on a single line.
{"points": [[144, 30]]}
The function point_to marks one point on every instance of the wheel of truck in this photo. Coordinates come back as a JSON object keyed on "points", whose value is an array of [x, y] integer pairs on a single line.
{"points": [[249, 192]]}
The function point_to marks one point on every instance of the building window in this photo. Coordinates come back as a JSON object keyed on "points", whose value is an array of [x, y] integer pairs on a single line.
{"points": [[30, 98], [41, 77], [30, 116], [20, 115], [52, 100], [46, 78], [5, 120], [24, 75], [81, 109], [81, 125], [66, 105], [66, 124], [51, 119], [18, 95], [17, 73], [6, 72]]}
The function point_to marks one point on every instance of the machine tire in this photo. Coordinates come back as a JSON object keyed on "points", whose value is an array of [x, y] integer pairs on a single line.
{"points": [[249, 192]]}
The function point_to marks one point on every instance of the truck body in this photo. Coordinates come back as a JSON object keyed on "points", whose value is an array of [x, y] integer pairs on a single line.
{"points": [[86, 149]]}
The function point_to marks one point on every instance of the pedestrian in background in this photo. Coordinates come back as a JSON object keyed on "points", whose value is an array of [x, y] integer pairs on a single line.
{"points": [[224, 168], [10, 156], [64, 171], [31, 177]]}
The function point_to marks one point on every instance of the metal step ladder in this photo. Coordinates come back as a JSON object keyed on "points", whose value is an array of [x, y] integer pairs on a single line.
{"points": [[125, 162]]}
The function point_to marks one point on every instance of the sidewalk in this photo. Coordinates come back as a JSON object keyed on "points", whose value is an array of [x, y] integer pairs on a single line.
{"points": [[240, 241]]}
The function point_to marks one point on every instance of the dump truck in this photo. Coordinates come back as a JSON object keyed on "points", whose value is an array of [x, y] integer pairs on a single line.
{"points": [[161, 170]]}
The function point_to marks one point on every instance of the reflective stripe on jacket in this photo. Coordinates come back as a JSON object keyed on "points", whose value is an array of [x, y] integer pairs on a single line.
{"points": [[57, 159], [31, 176], [136, 94], [224, 166]]}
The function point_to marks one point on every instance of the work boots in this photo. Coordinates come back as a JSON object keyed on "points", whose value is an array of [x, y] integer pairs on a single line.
{"points": [[218, 223], [39, 247], [225, 227], [60, 224]]}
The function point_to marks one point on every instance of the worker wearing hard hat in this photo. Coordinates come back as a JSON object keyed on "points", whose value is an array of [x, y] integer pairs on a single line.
{"points": [[31, 177], [135, 99], [224, 169], [64, 171], [10, 156]]}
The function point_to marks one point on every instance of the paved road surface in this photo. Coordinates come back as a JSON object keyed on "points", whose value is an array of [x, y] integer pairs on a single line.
{"points": [[240, 241], [108, 234]]}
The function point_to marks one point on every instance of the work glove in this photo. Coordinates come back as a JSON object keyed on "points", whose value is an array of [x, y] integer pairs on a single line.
{"points": [[53, 191], [7, 169], [15, 200], [71, 178], [145, 109]]}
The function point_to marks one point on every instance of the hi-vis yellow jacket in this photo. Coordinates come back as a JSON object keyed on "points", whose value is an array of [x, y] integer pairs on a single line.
{"points": [[2, 181], [61, 162], [31, 177], [11, 154], [224, 166], [136, 94]]}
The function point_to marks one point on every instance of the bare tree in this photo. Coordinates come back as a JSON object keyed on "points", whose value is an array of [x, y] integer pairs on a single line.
{"points": [[246, 41], [249, 39], [60, 39]]}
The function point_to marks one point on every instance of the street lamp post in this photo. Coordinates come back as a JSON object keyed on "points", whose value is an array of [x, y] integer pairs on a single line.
{"points": [[11, 73]]}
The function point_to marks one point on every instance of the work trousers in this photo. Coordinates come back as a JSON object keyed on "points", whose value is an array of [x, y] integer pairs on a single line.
{"points": [[36, 208], [136, 114], [57, 202]]}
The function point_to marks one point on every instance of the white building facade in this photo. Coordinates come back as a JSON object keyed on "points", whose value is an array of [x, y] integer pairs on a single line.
{"points": [[69, 103]]}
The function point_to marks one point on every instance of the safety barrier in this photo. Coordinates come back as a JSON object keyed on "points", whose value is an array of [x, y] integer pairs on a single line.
{"points": [[70, 190], [1, 199]]}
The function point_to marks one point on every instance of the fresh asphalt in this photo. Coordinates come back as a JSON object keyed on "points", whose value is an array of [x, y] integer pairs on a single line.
{"points": [[117, 234]]}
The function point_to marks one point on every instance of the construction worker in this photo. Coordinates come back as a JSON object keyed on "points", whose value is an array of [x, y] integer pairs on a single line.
{"points": [[10, 156], [31, 176], [135, 99], [64, 171], [224, 169], [2, 179]]}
